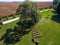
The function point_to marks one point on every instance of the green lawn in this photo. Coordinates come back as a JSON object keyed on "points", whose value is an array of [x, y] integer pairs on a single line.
{"points": [[50, 33], [49, 29]]}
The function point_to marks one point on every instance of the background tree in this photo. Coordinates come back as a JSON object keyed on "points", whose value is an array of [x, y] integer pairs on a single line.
{"points": [[58, 9], [55, 3], [56, 6]]}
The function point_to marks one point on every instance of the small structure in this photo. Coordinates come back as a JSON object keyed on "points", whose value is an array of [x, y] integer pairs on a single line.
{"points": [[35, 35]]}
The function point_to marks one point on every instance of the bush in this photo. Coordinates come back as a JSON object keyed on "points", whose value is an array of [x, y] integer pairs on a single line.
{"points": [[13, 16]]}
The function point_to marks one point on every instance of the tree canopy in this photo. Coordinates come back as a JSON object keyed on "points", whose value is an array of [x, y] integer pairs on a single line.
{"points": [[28, 11], [58, 9], [55, 3], [56, 6]]}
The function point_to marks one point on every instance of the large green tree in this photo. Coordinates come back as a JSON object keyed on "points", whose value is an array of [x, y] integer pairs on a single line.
{"points": [[28, 11]]}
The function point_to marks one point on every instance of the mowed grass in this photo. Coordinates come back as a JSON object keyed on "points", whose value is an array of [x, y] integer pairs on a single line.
{"points": [[50, 33], [49, 29]]}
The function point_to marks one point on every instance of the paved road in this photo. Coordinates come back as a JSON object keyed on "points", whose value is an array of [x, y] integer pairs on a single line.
{"points": [[8, 21]]}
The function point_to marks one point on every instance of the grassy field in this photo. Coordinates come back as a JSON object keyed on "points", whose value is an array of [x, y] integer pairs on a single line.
{"points": [[49, 29]]}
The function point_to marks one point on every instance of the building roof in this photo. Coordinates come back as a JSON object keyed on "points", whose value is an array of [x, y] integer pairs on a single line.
{"points": [[7, 9]]}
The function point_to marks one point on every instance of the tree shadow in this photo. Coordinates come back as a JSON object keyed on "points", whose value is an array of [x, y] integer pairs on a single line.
{"points": [[6, 34], [56, 18], [26, 23], [14, 35], [10, 36]]}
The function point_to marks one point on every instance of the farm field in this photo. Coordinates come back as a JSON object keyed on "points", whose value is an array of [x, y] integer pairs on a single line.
{"points": [[49, 29]]}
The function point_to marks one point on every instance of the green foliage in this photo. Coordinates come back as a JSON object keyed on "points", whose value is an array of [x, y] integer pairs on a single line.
{"points": [[56, 6], [13, 16], [58, 9], [55, 3], [28, 11]]}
